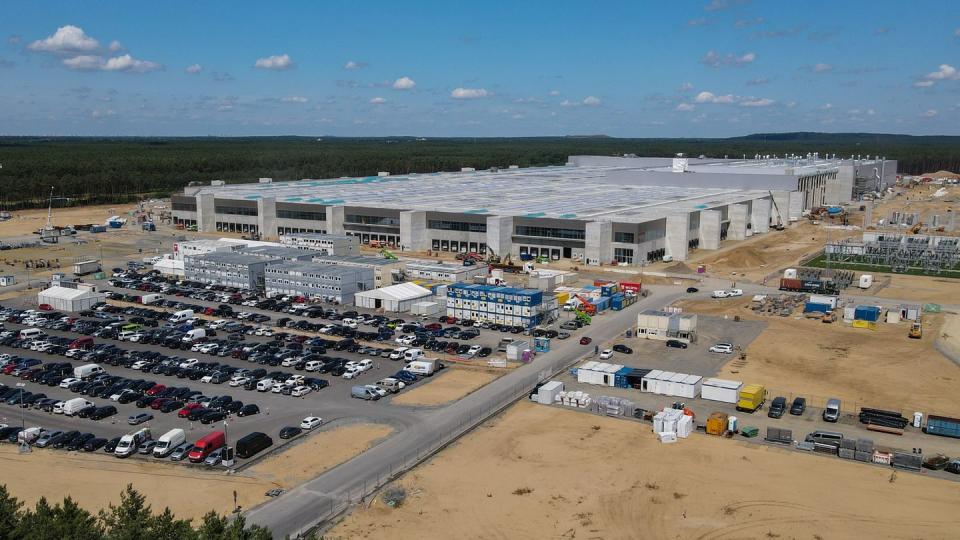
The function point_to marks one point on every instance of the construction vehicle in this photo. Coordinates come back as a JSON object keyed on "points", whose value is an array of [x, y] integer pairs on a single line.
{"points": [[387, 254], [916, 330], [506, 264], [585, 305], [751, 398], [583, 318], [828, 317], [779, 226], [470, 256]]}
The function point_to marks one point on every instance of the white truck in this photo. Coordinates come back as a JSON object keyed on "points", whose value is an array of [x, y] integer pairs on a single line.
{"points": [[83, 268], [181, 316], [150, 299], [424, 366], [410, 355], [129, 444], [168, 441], [71, 406], [86, 371], [196, 334]]}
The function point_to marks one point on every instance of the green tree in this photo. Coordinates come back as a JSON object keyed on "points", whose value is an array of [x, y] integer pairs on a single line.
{"points": [[131, 519], [166, 526], [9, 514], [36, 524], [71, 521]]}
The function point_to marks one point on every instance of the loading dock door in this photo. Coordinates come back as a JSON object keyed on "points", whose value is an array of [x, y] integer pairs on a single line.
{"points": [[377, 303], [567, 253]]}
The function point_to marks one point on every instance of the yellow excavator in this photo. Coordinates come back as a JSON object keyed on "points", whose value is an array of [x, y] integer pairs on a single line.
{"points": [[916, 330]]}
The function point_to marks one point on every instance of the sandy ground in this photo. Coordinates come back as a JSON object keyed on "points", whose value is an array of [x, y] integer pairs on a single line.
{"points": [[917, 289], [30, 221], [880, 368], [96, 480], [950, 333], [446, 387], [317, 453], [543, 472]]}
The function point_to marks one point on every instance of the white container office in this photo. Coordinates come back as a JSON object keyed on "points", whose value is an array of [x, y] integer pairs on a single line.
{"points": [[720, 390], [549, 392], [683, 385]]}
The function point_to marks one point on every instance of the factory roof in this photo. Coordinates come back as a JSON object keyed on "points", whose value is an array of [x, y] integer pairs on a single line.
{"points": [[228, 257], [355, 260], [277, 252], [564, 192], [441, 267]]}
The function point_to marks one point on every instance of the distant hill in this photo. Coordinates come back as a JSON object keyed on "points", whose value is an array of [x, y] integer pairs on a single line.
{"points": [[118, 169]]}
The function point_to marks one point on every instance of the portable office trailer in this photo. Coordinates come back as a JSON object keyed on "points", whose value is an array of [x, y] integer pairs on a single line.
{"points": [[722, 390], [684, 385], [585, 372], [548, 392], [656, 382], [824, 299]]}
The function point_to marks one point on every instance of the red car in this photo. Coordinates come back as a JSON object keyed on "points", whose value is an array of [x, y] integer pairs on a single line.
{"points": [[185, 411], [159, 402], [433, 326], [45, 307], [156, 390], [585, 340]]}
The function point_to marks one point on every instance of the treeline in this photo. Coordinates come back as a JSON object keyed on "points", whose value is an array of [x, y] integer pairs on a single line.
{"points": [[112, 170], [131, 519]]}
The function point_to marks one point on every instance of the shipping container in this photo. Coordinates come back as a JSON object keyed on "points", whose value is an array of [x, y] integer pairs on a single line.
{"points": [[627, 286], [824, 299], [867, 313], [811, 307], [943, 425], [722, 390], [548, 392]]}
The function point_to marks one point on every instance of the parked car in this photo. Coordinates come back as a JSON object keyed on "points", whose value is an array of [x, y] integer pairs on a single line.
{"points": [[137, 419], [832, 411], [620, 348], [722, 348], [249, 409], [606, 354], [799, 406], [777, 407], [180, 452], [676, 343], [290, 432], [310, 422]]}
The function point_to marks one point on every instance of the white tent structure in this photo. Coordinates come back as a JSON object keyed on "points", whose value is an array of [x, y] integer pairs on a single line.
{"points": [[395, 298], [70, 299]]}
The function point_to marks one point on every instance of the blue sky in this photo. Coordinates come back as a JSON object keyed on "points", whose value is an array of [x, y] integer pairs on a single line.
{"points": [[705, 68]]}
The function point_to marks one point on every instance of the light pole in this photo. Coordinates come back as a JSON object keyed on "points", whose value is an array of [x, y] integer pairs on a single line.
{"points": [[24, 446]]}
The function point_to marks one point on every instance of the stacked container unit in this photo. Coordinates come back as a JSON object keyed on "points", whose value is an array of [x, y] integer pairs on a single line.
{"points": [[866, 317], [602, 303], [502, 305], [600, 373], [720, 390], [621, 378], [811, 307]]}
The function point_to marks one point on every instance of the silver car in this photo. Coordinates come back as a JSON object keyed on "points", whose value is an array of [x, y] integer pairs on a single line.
{"points": [[180, 453]]}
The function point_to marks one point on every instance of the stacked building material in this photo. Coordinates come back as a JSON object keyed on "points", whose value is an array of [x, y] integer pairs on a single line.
{"points": [[880, 417], [778, 435]]}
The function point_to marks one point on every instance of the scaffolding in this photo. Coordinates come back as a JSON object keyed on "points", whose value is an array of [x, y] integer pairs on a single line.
{"points": [[900, 252]]}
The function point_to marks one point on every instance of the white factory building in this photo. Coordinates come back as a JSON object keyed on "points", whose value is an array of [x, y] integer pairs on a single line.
{"points": [[595, 209]]}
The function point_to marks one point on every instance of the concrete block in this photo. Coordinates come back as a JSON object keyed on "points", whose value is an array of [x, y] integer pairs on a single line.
{"points": [[678, 236], [413, 231], [738, 221], [599, 242], [760, 215], [710, 229], [267, 218], [206, 213], [500, 235], [335, 216]]}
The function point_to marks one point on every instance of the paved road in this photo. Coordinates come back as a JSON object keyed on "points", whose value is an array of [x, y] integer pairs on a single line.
{"points": [[311, 503]]}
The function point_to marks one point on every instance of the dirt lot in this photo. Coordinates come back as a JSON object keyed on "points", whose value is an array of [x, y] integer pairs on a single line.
{"points": [[96, 480], [916, 288], [446, 387], [30, 221], [881, 368], [320, 452], [543, 472]]}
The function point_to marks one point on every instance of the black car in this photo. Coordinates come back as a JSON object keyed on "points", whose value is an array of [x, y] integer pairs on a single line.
{"points": [[64, 439], [799, 406], [94, 444], [212, 416], [86, 411], [677, 344], [249, 409], [111, 445], [290, 432], [233, 407], [103, 412], [78, 442], [777, 407], [620, 348], [692, 289], [170, 406]]}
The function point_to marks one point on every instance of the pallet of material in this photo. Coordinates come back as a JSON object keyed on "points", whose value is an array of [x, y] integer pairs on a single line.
{"points": [[824, 448], [804, 445], [864, 445], [848, 444], [885, 429], [912, 462], [777, 435], [847, 453], [863, 456]]}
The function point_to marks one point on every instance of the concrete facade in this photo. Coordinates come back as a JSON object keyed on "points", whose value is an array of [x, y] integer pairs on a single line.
{"points": [[500, 234], [267, 218], [599, 249], [678, 236], [780, 208], [413, 226], [760, 216], [710, 229], [738, 222]]}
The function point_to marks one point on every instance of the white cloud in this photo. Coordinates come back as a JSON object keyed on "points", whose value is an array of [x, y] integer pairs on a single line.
{"points": [[98, 114], [822, 68], [686, 87], [404, 83], [115, 46], [84, 62], [757, 102], [469, 93], [378, 101], [702, 21], [791, 104], [592, 101], [686, 107], [67, 39], [758, 81], [294, 99], [826, 106], [929, 113], [567, 103], [713, 59], [194, 68], [353, 65], [945, 73], [554, 92], [923, 84], [871, 112], [710, 97], [746, 23], [129, 63], [275, 62]]}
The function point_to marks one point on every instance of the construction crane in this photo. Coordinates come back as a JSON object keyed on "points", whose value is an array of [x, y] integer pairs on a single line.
{"points": [[585, 305], [779, 226], [49, 233]]}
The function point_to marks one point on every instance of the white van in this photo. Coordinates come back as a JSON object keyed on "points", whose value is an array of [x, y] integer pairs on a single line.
{"points": [[410, 355], [422, 367], [194, 335], [168, 441], [313, 365], [129, 444], [265, 385], [126, 335], [31, 333], [71, 406], [86, 371], [181, 316]]}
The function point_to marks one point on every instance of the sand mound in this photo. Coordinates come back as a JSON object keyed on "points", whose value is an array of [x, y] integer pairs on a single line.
{"points": [[942, 174]]}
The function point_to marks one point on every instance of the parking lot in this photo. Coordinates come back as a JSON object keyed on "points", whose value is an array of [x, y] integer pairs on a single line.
{"points": [[152, 366]]}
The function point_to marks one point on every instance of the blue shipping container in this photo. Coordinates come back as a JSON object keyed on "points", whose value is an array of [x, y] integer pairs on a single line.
{"points": [[867, 313], [941, 425], [620, 378], [810, 307]]}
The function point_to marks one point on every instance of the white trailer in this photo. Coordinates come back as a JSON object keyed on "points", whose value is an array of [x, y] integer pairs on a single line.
{"points": [[149, 299], [720, 390], [548, 392], [684, 385], [83, 268]]}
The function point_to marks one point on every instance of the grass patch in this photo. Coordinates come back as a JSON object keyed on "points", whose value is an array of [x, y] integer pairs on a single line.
{"points": [[820, 262]]}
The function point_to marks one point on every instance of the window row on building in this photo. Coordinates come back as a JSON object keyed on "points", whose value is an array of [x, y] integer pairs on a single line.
{"points": [[444, 225], [550, 232]]}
